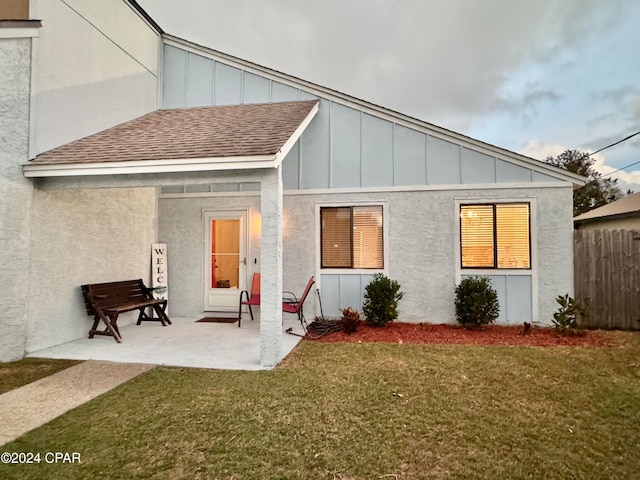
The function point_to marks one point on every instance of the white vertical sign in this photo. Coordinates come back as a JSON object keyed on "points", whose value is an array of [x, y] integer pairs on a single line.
{"points": [[159, 280]]}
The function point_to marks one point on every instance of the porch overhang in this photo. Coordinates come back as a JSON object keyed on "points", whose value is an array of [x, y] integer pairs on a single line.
{"points": [[153, 166], [240, 137]]}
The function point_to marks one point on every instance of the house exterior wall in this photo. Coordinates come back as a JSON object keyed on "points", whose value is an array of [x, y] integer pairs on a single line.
{"points": [[95, 66], [15, 200], [84, 236], [352, 153], [421, 241]]}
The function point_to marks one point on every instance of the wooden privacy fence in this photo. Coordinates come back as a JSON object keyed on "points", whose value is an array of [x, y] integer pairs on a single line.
{"points": [[607, 277]]}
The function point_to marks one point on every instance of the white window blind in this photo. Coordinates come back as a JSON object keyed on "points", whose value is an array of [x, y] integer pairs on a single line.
{"points": [[477, 236], [512, 235], [495, 236], [336, 237]]}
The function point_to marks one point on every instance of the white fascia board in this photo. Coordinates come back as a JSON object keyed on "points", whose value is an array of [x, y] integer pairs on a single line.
{"points": [[150, 166], [288, 145], [378, 111], [17, 32]]}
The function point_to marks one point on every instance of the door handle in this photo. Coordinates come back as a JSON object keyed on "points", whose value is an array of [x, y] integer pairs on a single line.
{"points": [[244, 261]]}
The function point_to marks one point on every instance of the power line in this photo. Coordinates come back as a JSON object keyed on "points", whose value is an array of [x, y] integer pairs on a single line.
{"points": [[624, 168], [616, 143]]}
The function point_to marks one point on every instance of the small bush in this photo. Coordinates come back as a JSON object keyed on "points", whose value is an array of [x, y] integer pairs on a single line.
{"points": [[566, 319], [350, 320], [381, 297], [476, 302]]}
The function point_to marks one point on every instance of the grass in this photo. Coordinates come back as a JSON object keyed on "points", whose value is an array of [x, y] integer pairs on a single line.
{"points": [[364, 411], [17, 374]]}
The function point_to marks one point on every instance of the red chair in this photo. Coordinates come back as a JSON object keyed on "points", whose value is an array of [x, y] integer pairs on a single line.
{"points": [[294, 305], [253, 300]]}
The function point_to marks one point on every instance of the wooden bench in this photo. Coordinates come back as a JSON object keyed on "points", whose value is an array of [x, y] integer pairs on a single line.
{"points": [[106, 301]]}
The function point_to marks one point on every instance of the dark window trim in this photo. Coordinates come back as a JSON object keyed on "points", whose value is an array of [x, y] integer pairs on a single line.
{"points": [[351, 208], [495, 234]]}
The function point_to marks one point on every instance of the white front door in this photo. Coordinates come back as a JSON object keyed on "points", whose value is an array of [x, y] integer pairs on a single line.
{"points": [[225, 254]]}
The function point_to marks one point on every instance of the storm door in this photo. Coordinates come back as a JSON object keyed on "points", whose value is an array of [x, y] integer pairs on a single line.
{"points": [[225, 259]]}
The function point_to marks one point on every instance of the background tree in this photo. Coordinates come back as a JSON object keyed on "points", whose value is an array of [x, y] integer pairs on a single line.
{"points": [[597, 192]]}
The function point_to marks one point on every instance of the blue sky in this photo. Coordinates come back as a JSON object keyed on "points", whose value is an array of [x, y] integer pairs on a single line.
{"points": [[535, 77]]}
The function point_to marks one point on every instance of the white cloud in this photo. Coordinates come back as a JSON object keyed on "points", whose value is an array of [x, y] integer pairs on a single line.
{"points": [[540, 151]]}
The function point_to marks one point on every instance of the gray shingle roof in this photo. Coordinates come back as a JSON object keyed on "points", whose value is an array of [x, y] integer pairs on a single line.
{"points": [[627, 205], [200, 132]]}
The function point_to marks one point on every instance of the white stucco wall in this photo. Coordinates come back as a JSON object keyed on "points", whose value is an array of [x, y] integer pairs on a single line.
{"points": [[181, 227], [421, 241], [15, 195], [95, 66], [78, 237]]}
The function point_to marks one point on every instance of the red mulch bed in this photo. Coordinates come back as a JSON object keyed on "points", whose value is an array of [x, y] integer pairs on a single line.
{"points": [[420, 333]]}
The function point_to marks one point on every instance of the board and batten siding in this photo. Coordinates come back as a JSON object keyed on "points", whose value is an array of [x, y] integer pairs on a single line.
{"points": [[342, 147]]}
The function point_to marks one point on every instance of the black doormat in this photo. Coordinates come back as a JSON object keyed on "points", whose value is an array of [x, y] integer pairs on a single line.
{"points": [[218, 320]]}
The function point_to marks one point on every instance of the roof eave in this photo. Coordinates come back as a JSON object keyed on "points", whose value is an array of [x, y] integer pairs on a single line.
{"points": [[150, 166]]}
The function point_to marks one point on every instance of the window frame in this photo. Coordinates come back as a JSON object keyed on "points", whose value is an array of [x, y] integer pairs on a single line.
{"points": [[494, 204], [349, 270]]}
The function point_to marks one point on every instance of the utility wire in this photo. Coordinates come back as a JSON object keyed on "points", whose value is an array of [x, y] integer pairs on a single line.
{"points": [[625, 167], [616, 143]]}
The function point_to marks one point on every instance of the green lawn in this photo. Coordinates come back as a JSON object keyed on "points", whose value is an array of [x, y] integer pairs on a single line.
{"points": [[364, 411], [17, 374]]}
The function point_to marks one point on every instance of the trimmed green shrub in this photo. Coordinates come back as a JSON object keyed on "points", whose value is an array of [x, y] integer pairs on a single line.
{"points": [[381, 297], [476, 302], [566, 319], [350, 320]]}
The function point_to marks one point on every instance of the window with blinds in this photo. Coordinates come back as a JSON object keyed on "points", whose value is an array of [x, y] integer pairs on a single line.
{"points": [[351, 237], [495, 236]]}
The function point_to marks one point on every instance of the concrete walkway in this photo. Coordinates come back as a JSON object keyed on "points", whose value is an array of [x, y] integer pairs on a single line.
{"points": [[37, 403]]}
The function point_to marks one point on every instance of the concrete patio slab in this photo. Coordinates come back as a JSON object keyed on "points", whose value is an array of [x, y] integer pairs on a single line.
{"points": [[185, 343], [37, 403]]}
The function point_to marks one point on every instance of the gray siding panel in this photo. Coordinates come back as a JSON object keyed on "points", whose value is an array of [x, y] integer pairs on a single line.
{"points": [[291, 168], [307, 96], [345, 146], [283, 93], [174, 77], [514, 296], [256, 89], [477, 167], [330, 295], [314, 150], [199, 81], [519, 301], [541, 177], [377, 152], [342, 291], [443, 162], [228, 81], [508, 172], [410, 157]]}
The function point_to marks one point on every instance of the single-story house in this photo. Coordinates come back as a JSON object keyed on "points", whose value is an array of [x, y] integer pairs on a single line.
{"points": [[117, 135], [623, 214]]}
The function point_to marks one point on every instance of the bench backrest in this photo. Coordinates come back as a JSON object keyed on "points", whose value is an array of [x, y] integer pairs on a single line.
{"points": [[113, 294]]}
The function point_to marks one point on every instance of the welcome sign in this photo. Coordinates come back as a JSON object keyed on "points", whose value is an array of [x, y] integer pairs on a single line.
{"points": [[159, 277]]}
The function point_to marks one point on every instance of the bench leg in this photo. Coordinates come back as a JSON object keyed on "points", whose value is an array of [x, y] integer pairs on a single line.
{"points": [[111, 327]]}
